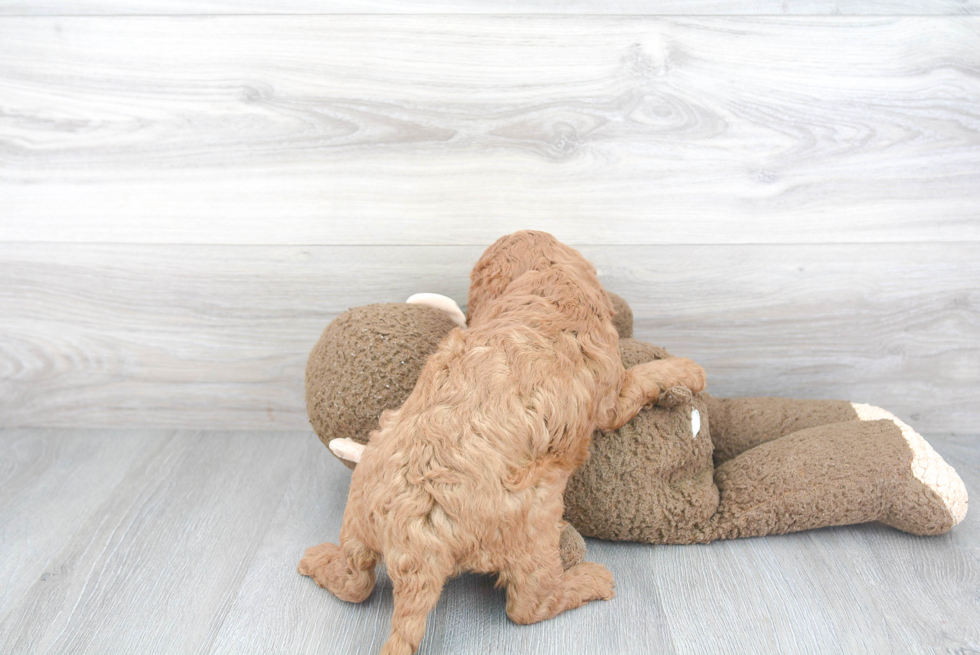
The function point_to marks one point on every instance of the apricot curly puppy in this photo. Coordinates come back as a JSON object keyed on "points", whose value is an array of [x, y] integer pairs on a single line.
{"points": [[468, 474]]}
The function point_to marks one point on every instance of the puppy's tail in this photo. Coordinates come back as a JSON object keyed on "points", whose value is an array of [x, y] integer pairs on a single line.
{"points": [[418, 583]]}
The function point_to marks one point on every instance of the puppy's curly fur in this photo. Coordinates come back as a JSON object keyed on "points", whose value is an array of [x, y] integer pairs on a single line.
{"points": [[468, 474]]}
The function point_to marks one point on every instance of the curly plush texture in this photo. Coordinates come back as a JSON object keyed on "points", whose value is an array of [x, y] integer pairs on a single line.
{"points": [[927, 466], [740, 424], [836, 474], [468, 474], [366, 361], [652, 479], [571, 547], [641, 482]]}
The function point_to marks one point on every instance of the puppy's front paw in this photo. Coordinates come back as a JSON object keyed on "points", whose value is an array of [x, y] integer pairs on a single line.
{"points": [[675, 396], [688, 374]]}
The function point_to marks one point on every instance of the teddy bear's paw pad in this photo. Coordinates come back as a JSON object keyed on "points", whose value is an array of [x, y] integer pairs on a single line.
{"points": [[443, 303], [928, 466], [346, 448]]}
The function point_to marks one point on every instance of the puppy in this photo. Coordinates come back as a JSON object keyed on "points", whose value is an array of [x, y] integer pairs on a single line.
{"points": [[468, 474]]}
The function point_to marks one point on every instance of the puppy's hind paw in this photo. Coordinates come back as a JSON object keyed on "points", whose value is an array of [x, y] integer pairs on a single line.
{"points": [[316, 558], [330, 569], [593, 581]]}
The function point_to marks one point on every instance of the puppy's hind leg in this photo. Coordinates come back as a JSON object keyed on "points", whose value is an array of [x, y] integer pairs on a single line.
{"points": [[417, 587], [538, 588], [346, 570], [541, 590]]}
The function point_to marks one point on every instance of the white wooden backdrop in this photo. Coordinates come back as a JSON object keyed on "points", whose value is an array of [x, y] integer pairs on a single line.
{"points": [[188, 196]]}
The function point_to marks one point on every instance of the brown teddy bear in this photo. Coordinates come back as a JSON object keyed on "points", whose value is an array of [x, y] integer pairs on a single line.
{"points": [[688, 470]]}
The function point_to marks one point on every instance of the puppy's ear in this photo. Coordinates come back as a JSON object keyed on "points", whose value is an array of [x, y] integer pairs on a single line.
{"points": [[346, 449]]}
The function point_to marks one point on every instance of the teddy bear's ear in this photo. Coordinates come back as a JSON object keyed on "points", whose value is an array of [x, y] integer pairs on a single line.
{"points": [[443, 303]]}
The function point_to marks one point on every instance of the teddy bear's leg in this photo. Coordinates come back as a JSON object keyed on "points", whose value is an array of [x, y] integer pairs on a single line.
{"points": [[739, 424], [838, 474], [928, 467]]}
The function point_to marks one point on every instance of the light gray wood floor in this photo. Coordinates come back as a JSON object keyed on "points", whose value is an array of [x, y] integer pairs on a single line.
{"points": [[136, 541]]}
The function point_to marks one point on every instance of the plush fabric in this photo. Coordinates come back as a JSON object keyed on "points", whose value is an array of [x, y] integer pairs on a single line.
{"points": [[366, 361], [757, 465]]}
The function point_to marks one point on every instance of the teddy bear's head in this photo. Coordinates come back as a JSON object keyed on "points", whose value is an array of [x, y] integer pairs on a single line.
{"points": [[367, 361]]}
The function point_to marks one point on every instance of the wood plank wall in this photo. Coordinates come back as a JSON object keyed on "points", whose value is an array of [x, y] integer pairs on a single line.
{"points": [[787, 192]]}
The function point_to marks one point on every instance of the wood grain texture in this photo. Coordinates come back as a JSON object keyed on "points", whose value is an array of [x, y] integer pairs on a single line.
{"points": [[455, 129], [209, 336], [194, 550], [632, 7], [155, 566], [50, 481]]}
